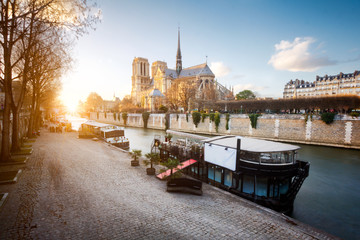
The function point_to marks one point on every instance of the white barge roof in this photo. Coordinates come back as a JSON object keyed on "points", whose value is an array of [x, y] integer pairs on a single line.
{"points": [[251, 144], [96, 124], [114, 128]]}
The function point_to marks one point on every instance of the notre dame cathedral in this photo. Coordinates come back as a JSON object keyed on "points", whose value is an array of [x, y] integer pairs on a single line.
{"points": [[148, 90]]}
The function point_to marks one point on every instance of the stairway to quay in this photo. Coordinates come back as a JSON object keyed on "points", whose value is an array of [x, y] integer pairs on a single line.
{"points": [[75, 188]]}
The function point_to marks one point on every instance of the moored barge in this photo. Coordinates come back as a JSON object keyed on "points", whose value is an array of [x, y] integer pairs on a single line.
{"points": [[112, 134], [264, 172]]}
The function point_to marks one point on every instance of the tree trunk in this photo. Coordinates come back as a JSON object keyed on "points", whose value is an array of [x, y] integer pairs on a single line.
{"points": [[15, 141], [5, 140], [37, 122], [32, 116]]}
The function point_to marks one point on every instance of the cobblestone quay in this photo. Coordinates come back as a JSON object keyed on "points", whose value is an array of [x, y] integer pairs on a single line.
{"points": [[82, 189]]}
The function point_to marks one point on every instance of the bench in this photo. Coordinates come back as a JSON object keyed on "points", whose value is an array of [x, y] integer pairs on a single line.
{"points": [[187, 185]]}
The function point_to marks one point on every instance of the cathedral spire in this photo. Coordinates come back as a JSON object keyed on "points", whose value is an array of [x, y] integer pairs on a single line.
{"points": [[178, 55]]}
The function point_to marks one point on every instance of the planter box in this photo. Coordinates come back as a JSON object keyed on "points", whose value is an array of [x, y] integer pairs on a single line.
{"points": [[184, 185], [150, 171], [135, 163]]}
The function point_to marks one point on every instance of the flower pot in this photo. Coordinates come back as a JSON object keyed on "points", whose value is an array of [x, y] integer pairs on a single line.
{"points": [[150, 171], [135, 163]]}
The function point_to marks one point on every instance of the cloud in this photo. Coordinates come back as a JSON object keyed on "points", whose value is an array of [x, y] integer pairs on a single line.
{"points": [[296, 56], [219, 69]]}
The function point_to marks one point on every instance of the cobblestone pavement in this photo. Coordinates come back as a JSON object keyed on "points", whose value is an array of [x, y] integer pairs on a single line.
{"points": [[82, 189]]}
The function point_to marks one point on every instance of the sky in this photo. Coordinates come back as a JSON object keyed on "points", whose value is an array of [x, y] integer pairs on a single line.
{"points": [[258, 45]]}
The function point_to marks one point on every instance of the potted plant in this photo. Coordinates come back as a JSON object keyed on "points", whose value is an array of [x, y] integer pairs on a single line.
{"points": [[168, 137], [171, 164], [135, 154], [152, 158]]}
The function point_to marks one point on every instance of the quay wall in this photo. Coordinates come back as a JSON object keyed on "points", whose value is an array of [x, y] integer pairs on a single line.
{"points": [[343, 132]]}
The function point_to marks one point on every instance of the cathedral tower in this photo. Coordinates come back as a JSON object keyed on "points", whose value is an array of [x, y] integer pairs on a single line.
{"points": [[178, 56], [140, 78]]}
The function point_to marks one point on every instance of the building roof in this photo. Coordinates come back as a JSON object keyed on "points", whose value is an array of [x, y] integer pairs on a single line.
{"points": [[197, 70], [201, 69], [171, 73], [156, 93]]}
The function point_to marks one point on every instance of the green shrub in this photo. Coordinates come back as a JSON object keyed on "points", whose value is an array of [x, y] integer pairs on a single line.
{"points": [[163, 108], [203, 116], [145, 116], [212, 117], [167, 121], [354, 114], [196, 116], [328, 117], [253, 119], [217, 121], [227, 121], [307, 117], [125, 117]]}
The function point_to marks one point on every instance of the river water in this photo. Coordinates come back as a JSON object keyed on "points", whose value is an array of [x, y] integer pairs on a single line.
{"points": [[329, 198]]}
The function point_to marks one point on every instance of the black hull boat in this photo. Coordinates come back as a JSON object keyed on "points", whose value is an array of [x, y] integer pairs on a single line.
{"points": [[111, 134], [265, 172]]}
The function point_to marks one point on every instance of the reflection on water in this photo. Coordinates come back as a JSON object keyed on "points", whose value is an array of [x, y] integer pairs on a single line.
{"points": [[75, 121], [329, 198]]}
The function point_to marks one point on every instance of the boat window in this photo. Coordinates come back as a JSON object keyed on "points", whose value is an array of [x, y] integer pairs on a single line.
{"points": [[238, 187], [277, 157], [211, 172], [261, 186], [227, 177], [194, 169], [273, 190], [248, 184], [218, 172], [249, 156], [114, 133], [284, 186]]}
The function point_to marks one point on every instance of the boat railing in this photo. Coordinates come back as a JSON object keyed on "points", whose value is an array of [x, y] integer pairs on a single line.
{"points": [[181, 151]]}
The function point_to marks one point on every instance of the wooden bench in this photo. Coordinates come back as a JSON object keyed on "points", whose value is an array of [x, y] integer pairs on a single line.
{"points": [[187, 185]]}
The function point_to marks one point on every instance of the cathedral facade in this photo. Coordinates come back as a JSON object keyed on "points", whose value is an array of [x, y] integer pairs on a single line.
{"points": [[149, 91]]}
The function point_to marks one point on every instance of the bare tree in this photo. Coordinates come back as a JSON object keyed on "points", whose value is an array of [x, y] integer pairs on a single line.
{"points": [[17, 18], [93, 102], [181, 93], [49, 61]]}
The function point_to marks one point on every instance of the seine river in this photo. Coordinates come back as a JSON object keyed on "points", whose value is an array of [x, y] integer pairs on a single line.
{"points": [[329, 198]]}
